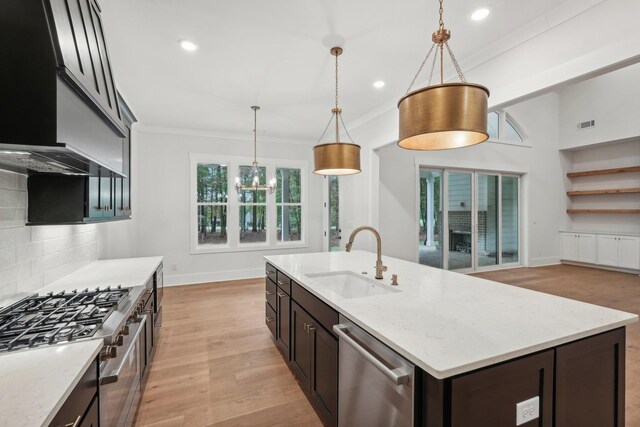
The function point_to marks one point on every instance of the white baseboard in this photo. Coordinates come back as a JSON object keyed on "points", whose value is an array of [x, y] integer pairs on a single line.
{"points": [[541, 262], [601, 267], [212, 276]]}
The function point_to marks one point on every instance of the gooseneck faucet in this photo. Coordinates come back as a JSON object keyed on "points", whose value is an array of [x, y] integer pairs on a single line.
{"points": [[379, 266]]}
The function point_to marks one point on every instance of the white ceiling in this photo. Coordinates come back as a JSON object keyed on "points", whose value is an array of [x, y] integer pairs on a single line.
{"points": [[276, 54]]}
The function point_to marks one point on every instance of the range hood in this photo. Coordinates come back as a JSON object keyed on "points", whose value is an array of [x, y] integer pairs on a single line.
{"points": [[51, 121]]}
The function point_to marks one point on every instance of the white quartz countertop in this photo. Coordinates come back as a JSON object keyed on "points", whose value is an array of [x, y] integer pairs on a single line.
{"points": [[128, 272], [34, 384], [449, 323]]}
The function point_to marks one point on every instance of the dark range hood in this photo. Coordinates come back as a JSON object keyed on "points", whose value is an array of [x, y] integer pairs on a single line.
{"points": [[59, 109]]}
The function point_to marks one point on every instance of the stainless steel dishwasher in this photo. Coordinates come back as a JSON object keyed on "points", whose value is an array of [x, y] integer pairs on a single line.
{"points": [[376, 386]]}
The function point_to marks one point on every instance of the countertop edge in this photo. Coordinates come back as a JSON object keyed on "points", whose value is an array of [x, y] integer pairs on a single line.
{"points": [[67, 393], [483, 363]]}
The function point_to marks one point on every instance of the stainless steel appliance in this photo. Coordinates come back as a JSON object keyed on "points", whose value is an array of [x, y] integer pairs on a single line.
{"points": [[120, 379], [376, 385], [114, 314]]}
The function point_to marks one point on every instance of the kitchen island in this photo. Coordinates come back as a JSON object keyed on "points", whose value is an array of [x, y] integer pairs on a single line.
{"points": [[472, 341]]}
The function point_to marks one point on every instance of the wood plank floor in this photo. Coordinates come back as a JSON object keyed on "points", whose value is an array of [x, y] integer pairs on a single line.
{"points": [[217, 366]]}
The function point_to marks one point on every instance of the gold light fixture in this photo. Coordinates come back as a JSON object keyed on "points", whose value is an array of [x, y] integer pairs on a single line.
{"points": [[254, 172], [443, 116], [336, 158]]}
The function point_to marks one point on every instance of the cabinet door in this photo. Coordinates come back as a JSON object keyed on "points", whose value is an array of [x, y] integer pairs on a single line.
{"points": [[117, 196], [629, 252], [608, 250], [590, 381], [91, 418], [587, 248], [570, 246], [301, 345], [324, 376], [488, 398], [94, 209], [126, 170], [284, 321], [106, 196]]}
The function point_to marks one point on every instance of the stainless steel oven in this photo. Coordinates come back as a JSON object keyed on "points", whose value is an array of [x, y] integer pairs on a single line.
{"points": [[120, 378]]}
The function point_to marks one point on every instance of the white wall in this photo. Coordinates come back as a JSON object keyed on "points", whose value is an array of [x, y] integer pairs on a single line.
{"points": [[540, 164], [33, 257], [612, 100], [161, 206]]}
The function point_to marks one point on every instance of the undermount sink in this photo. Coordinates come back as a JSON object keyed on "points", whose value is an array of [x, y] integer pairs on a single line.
{"points": [[348, 284]]}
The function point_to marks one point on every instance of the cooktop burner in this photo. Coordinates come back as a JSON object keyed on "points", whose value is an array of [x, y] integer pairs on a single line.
{"points": [[54, 318]]}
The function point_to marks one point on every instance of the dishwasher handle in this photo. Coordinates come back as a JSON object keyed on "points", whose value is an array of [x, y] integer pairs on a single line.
{"points": [[397, 375]]}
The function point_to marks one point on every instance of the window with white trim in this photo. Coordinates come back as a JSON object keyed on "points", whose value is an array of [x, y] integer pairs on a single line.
{"points": [[503, 128], [226, 220]]}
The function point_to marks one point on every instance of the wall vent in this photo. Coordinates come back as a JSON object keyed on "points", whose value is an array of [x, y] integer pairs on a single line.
{"points": [[586, 125]]}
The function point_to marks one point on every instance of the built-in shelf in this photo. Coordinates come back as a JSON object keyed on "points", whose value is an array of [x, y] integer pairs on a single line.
{"points": [[608, 191], [603, 211], [604, 171]]}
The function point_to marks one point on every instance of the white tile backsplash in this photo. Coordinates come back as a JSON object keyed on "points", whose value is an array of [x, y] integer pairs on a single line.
{"points": [[33, 257]]}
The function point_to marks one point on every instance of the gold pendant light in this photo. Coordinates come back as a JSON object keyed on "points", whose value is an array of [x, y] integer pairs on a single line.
{"points": [[336, 158], [443, 116]]}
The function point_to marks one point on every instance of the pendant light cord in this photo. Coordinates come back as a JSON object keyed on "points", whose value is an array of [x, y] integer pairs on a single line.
{"points": [[337, 110], [255, 137]]}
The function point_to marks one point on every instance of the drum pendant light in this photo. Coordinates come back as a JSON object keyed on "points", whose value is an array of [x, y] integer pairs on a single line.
{"points": [[443, 116], [336, 158]]}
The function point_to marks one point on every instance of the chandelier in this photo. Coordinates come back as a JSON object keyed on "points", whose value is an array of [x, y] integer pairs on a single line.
{"points": [[443, 116], [253, 175]]}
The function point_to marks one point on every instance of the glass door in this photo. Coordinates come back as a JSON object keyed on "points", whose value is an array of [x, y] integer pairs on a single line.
{"points": [[459, 221], [487, 220], [510, 222], [430, 237], [334, 215]]}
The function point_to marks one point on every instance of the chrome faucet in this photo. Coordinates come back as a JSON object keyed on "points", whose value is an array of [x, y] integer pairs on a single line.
{"points": [[379, 266]]}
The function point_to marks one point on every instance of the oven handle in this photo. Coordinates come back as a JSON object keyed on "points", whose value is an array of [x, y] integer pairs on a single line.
{"points": [[114, 377], [398, 376]]}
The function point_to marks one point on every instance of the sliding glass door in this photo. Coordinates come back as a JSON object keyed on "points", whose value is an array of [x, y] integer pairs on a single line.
{"points": [[481, 226]]}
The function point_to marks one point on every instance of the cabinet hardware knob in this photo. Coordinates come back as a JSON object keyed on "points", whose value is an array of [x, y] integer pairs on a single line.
{"points": [[310, 329], [281, 295], [280, 282], [306, 326], [269, 319], [269, 292]]}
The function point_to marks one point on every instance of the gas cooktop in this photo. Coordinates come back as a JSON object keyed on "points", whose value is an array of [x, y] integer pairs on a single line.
{"points": [[53, 318]]}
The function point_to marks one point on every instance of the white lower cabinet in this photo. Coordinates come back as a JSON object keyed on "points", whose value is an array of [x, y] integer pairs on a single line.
{"points": [[579, 247], [619, 251]]}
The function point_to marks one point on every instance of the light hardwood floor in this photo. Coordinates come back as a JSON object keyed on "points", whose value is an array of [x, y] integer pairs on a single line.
{"points": [[217, 366]]}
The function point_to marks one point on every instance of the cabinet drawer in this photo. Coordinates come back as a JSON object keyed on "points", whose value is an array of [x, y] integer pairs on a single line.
{"points": [[271, 273], [284, 282], [270, 319], [270, 293], [80, 398], [324, 314]]}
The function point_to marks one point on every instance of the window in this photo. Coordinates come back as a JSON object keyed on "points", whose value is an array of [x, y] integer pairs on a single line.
{"points": [[289, 204], [501, 127], [225, 220]]}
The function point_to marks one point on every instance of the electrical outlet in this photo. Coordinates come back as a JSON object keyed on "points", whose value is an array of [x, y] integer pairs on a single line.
{"points": [[527, 410]]}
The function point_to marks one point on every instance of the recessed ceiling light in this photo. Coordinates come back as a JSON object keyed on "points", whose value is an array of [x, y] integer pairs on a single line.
{"points": [[188, 45], [480, 14], [378, 84]]}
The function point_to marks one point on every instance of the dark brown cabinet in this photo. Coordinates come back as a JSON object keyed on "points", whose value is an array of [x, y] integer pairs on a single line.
{"points": [[82, 55], [324, 373], [80, 408], [283, 314], [301, 346]]}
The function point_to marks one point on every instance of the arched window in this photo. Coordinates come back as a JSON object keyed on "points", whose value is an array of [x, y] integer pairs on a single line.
{"points": [[502, 127]]}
